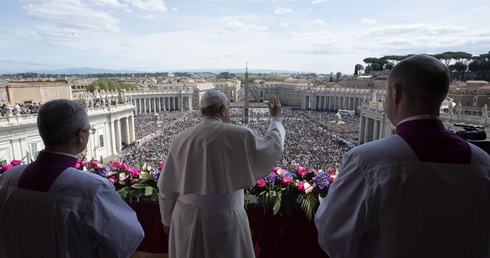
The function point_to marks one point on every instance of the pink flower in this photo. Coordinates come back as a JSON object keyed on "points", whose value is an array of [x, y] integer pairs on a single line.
{"points": [[15, 162], [300, 186], [331, 171], [83, 163], [112, 179], [302, 171], [134, 172], [94, 164], [261, 183], [116, 164], [286, 180], [5, 167], [134, 181], [312, 171], [161, 164], [125, 166], [276, 169], [77, 166]]}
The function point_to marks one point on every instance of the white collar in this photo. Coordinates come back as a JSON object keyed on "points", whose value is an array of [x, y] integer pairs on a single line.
{"points": [[214, 117], [418, 117]]}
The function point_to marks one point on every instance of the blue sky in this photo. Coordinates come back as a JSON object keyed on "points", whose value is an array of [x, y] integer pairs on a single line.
{"points": [[320, 36]]}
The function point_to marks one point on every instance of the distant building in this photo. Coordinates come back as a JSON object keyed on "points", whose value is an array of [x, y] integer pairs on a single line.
{"points": [[26, 92], [472, 95]]}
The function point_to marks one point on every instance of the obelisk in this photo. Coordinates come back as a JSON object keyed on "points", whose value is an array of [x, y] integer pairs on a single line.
{"points": [[246, 95]]}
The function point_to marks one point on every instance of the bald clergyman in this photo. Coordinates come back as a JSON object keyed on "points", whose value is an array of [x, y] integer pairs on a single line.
{"points": [[422, 192]]}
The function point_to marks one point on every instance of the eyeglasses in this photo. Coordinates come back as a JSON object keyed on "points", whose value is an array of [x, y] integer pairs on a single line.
{"points": [[91, 130]]}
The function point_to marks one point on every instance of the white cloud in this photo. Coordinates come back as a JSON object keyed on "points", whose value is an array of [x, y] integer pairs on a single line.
{"points": [[53, 34], [71, 13], [281, 10], [318, 1], [411, 28], [315, 43], [152, 5], [478, 9], [319, 22], [109, 3], [283, 25], [423, 38], [368, 21], [148, 17], [240, 26], [129, 44], [174, 9]]}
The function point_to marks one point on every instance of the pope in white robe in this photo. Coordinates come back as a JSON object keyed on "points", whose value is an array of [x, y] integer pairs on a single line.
{"points": [[202, 182]]}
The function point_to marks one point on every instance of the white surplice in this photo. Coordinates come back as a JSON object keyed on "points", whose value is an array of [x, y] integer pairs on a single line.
{"points": [[80, 216], [202, 182], [387, 203]]}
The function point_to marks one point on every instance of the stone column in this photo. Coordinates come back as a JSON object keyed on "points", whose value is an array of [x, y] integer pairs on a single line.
{"points": [[362, 132], [112, 125], [117, 125], [376, 130]]}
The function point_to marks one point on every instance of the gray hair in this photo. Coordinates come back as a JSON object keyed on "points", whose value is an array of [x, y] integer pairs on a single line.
{"points": [[59, 120]]}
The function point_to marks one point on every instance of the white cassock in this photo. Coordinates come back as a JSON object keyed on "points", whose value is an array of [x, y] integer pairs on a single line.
{"points": [[202, 182]]}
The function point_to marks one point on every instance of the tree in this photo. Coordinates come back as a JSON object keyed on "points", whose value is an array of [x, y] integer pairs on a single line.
{"points": [[109, 84], [445, 57], [357, 69], [459, 63], [374, 64], [462, 59]]}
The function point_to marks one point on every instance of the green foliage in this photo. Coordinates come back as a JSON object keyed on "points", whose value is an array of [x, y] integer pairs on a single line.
{"points": [[267, 78], [462, 65], [109, 84], [357, 69]]}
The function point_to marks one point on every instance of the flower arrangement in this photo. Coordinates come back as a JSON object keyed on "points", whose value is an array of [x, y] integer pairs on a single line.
{"points": [[4, 165], [130, 182], [289, 190]]}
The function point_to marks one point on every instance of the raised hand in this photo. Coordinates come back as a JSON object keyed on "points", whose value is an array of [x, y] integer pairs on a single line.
{"points": [[275, 107]]}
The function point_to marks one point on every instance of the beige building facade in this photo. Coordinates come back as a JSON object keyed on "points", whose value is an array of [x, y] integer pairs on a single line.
{"points": [[27, 92]]}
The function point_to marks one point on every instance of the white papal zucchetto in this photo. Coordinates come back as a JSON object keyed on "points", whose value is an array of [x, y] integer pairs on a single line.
{"points": [[213, 97]]}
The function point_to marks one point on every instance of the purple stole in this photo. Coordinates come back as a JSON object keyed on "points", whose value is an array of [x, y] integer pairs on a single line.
{"points": [[40, 174], [432, 142]]}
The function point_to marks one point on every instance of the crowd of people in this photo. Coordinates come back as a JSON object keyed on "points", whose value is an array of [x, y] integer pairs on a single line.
{"points": [[149, 123], [314, 139], [19, 109]]}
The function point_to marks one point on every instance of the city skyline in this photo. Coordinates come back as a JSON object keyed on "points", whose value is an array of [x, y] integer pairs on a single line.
{"points": [[320, 36]]}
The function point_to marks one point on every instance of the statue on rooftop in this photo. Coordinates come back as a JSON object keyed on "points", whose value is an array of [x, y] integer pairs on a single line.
{"points": [[459, 108], [484, 110]]}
